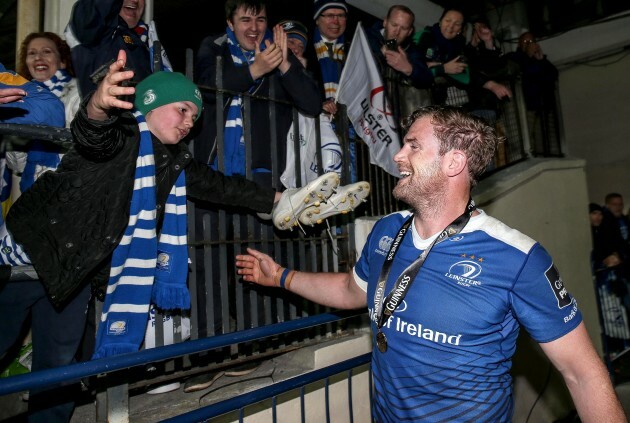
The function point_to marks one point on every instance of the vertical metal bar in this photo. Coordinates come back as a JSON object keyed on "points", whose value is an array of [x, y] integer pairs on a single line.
{"points": [[209, 276], [159, 328], [223, 275], [253, 296], [522, 114], [318, 146], [350, 405], [157, 56], [274, 411], [101, 394], [189, 69], [297, 144], [273, 134], [327, 396], [192, 276], [291, 260], [118, 404], [371, 385], [101, 405], [560, 131], [344, 140], [302, 404]]}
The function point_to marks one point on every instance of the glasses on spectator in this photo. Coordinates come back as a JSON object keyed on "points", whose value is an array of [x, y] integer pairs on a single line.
{"points": [[530, 41], [332, 16]]}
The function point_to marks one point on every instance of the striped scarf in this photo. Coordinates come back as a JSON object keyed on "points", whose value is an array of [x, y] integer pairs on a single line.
{"points": [[44, 156], [234, 142], [58, 81], [148, 35], [144, 269], [331, 66]]}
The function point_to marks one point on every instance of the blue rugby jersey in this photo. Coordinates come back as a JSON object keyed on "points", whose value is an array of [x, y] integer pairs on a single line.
{"points": [[451, 341]]}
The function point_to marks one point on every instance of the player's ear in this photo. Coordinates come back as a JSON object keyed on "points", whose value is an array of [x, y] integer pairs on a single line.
{"points": [[454, 163]]}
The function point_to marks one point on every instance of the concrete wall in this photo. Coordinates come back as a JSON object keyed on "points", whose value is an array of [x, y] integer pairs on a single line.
{"points": [[595, 101]]}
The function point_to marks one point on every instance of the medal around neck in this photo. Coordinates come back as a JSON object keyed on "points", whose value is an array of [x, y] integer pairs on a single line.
{"points": [[381, 341]]}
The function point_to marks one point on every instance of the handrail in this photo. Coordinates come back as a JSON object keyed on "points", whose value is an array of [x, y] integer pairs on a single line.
{"points": [[231, 404], [74, 372], [59, 136]]}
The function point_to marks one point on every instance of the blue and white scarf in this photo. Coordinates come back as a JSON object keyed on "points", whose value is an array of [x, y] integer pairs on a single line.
{"points": [[58, 81], [148, 35], [43, 156], [233, 140], [331, 66], [143, 268]]}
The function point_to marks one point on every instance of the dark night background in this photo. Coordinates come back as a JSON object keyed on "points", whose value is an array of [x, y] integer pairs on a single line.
{"points": [[183, 24]]}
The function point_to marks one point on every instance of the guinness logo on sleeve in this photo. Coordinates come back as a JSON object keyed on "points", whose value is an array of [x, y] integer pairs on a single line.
{"points": [[555, 281]]}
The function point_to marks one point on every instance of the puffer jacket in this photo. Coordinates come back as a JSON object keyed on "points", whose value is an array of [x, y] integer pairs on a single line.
{"points": [[71, 220]]}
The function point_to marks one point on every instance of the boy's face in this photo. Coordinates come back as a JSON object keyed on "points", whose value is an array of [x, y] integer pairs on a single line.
{"points": [[172, 122], [296, 46], [249, 27]]}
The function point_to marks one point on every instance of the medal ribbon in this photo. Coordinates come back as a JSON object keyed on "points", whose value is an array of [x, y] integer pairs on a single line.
{"points": [[385, 308]]}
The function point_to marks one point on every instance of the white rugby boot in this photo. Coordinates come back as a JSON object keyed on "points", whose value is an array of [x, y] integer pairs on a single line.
{"points": [[295, 200], [346, 199]]}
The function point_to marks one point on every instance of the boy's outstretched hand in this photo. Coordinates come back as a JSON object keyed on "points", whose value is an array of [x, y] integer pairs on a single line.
{"points": [[258, 267], [106, 95]]}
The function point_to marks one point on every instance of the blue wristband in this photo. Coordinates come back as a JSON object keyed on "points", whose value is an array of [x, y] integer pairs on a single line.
{"points": [[283, 278]]}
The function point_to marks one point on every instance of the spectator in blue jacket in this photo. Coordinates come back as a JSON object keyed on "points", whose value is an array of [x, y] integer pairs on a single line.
{"points": [[98, 29]]}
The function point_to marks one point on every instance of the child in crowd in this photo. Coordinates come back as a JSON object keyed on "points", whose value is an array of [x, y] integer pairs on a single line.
{"points": [[115, 210]]}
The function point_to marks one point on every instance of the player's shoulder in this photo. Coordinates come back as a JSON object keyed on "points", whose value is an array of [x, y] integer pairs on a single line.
{"points": [[501, 232]]}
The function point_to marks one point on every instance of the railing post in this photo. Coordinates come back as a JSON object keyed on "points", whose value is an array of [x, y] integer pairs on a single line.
{"points": [[118, 404], [522, 115]]}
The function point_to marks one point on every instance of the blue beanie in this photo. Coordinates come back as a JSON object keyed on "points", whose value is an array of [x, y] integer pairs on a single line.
{"points": [[320, 5], [295, 29]]}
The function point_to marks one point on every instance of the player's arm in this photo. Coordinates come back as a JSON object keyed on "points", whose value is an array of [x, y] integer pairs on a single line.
{"points": [[337, 290], [586, 376]]}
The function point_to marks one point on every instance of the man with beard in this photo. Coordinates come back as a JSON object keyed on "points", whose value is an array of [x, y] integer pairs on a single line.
{"points": [[446, 301]]}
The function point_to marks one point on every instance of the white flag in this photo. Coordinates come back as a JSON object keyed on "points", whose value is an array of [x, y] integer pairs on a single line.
{"points": [[361, 89]]}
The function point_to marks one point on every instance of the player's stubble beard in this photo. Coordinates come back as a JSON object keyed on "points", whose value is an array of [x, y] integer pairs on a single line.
{"points": [[424, 190]]}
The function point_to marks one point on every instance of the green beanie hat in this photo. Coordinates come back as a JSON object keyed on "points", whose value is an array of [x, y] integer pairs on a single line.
{"points": [[162, 88]]}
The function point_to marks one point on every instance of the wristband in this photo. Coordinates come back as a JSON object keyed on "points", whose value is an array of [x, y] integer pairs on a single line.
{"points": [[289, 279], [283, 278], [276, 276]]}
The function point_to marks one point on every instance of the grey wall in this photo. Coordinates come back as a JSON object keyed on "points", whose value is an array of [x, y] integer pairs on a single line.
{"points": [[595, 101]]}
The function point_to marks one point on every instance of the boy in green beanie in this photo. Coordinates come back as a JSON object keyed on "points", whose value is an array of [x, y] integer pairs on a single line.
{"points": [[73, 223]]}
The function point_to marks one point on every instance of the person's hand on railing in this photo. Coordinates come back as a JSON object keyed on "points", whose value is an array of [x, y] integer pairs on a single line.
{"points": [[258, 268], [455, 66], [9, 95], [498, 90], [330, 106], [106, 96]]}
